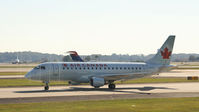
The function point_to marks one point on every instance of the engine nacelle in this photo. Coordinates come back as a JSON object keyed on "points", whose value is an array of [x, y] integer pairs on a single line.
{"points": [[97, 82]]}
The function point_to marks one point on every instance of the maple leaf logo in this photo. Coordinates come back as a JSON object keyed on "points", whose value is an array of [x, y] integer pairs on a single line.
{"points": [[166, 54]]}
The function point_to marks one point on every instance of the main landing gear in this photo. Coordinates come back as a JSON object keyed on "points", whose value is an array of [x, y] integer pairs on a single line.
{"points": [[111, 85], [46, 87]]}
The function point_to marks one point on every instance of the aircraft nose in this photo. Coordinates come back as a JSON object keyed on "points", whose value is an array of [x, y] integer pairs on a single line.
{"points": [[28, 75]]}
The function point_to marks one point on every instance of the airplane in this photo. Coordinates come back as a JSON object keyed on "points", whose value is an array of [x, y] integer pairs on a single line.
{"points": [[75, 57], [16, 61], [101, 73]]}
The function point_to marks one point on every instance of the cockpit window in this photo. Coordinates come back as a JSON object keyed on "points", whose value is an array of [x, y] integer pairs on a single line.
{"points": [[43, 67], [40, 67], [36, 67]]}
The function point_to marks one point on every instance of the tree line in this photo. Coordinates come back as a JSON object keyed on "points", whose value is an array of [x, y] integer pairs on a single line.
{"points": [[28, 57]]}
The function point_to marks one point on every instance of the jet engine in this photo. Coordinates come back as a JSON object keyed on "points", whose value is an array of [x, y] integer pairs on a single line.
{"points": [[97, 82]]}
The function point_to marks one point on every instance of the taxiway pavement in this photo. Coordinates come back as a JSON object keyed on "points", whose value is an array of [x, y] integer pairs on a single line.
{"points": [[86, 92]]}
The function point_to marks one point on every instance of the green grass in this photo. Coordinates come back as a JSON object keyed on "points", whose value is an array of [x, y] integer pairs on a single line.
{"points": [[188, 65], [156, 80], [131, 105], [13, 73], [26, 82], [186, 68], [17, 66]]}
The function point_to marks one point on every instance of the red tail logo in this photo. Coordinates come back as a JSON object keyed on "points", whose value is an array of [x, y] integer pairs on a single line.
{"points": [[166, 54], [73, 53]]}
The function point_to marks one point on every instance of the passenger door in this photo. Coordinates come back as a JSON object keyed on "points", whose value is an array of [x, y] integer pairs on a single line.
{"points": [[56, 74]]}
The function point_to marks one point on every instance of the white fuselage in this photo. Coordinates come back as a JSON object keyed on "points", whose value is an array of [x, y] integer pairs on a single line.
{"points": [[81, 72]]}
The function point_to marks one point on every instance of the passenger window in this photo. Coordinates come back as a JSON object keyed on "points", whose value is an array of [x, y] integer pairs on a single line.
{"points": [[129, 68], [116, 68], [112, 68], [104, 68], [109, 68], [132, 68], [120, 68], [88, 68], [124, 68]]}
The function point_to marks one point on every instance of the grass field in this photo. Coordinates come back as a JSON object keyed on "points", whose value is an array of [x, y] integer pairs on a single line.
{"points": [[187, 68], [13, 73], [26, 82], [131, 105], [156, 80], [17, 66]]}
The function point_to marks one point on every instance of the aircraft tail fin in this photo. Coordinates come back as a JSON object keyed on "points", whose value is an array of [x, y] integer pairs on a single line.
{"points": [[75, 56], [163, 55]]}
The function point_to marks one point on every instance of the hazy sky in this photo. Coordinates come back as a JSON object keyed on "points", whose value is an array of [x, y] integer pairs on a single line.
{"points": [[98, 26]]}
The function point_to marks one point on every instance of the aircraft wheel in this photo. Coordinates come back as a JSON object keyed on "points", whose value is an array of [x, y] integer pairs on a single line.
{"points": [[46, 88], [111, 86]]}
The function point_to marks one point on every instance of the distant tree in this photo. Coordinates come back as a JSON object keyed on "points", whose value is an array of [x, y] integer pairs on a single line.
{"points": [[114, 54], [67, 58], [44, 60], [96, 57], [192, 58], [87, 58], [55, 60]]}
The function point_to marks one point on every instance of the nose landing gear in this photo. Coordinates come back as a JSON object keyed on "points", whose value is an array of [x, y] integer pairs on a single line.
{"points": [[46, 87]]}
